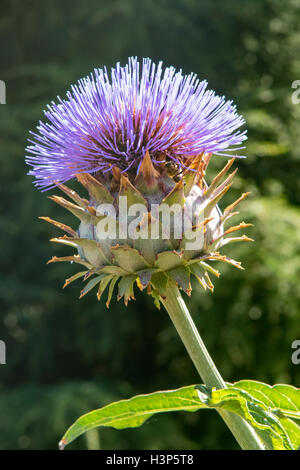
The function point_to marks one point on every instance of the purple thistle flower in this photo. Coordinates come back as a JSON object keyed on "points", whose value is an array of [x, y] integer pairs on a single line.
{"points": [[112, 121]]}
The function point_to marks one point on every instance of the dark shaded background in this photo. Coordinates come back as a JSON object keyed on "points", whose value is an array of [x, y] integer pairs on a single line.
{"points": [[65, 356]]}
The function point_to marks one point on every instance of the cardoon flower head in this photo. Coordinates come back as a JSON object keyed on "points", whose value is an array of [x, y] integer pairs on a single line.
{"points": [[140, 142], [113, 120]]}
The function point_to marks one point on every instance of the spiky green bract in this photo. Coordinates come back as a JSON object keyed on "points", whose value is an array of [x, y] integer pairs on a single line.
{"points": [[122, 263]]}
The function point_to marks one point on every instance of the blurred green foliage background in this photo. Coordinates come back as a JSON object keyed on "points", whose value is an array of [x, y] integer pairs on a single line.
{"points": [[65, 356]]}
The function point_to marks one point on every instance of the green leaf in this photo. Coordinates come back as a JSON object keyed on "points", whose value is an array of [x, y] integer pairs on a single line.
{"points": [[135, 411], [285, 398], [255, 412], [293, 431], [253, 401], [282, 400]]}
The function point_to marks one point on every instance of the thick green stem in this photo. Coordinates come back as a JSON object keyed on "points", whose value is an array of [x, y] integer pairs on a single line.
{"points": [[180, 316]]}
